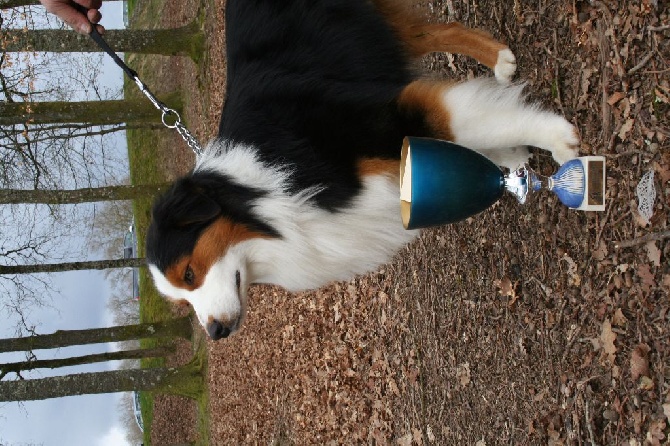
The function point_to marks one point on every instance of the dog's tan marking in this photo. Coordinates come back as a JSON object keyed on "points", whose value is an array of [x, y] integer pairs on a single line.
{"points": [[378, 166], [454, 38], [427, 99], [213, 243], [422, 38]]}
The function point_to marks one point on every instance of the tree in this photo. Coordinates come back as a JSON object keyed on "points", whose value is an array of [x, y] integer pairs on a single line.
{"points": [[71, 266], [135, 111], [6, 4], [183, 381], [85, 195], [187, 40], [180, 327], [186, 380], [33, 364]]}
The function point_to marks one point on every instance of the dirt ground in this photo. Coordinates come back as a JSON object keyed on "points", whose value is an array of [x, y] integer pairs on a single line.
{"points": [[527, 324]]}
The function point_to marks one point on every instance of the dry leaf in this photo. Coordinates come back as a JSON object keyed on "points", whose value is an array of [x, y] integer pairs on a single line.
{"points": [[646, 276], [653, 253], [619, 319], [646, 383], [616, 97], [575, 278], [405, 440], [655, 434], [663, 171], [639, 361], [417, 436], [585, 84], [626, 128], [638, 218], [666, 410], [430, 434], [646, 195], [601, 252], [505, 287], [463, 374], [393, 387], [607, 337], [660, 96]]}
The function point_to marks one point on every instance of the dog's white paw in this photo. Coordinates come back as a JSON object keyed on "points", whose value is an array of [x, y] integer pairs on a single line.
{"points": [[511, 158], [505, 66], [564, 140]]}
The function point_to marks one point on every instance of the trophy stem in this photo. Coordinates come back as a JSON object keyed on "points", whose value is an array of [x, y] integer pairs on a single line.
{"points": [[579, 183], [516, 182]]}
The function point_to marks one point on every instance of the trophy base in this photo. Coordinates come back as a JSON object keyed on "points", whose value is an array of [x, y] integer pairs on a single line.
{"points": [[594, 183], [579, 183]]}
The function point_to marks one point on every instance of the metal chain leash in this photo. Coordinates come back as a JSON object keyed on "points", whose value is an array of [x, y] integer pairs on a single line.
{"points": [[170, 117]]}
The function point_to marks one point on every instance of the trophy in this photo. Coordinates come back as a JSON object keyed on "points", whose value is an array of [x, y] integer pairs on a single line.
{"points": [[442, 182]]}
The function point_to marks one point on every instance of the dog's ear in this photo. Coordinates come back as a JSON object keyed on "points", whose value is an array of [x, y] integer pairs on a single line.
{"points": [[186, 204]]}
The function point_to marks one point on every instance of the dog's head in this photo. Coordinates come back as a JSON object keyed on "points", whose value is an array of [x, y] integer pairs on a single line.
{"points": [[196, 248]]}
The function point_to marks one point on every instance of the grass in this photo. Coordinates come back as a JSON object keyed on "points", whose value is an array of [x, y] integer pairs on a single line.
{"points": [[144, 159]]}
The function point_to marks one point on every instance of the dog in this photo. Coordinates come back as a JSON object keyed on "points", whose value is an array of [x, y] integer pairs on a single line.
{"points": [[300, 188]]}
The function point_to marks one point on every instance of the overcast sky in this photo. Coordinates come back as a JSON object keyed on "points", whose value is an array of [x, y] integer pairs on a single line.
{"points": [[82, 420]]}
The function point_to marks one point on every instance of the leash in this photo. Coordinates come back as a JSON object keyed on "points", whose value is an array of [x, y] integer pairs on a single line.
{"points": [[168, 114]]}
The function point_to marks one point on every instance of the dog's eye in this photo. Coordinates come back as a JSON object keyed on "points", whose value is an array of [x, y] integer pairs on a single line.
{"points": [[189, 276], [238, 280]]}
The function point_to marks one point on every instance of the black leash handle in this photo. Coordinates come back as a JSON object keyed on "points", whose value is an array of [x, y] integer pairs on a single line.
{"points": [[97, 37], [165, 110]]}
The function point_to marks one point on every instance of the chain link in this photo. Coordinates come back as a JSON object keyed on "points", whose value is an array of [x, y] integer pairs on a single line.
{"points": [[166, 112]]}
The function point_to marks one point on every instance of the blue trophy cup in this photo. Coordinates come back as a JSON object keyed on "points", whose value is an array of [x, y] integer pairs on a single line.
{"points": [[442, 182]]}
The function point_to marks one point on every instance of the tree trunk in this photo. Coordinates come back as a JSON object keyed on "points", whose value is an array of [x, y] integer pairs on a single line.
{"points": [[71, 266], [18, 367], [75, 196], [187, 40], [181, 327], [6, 4], [131, 111], [156, 379]]}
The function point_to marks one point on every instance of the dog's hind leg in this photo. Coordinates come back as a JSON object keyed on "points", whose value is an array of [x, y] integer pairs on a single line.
{"points": [[488, 117], [421, 38], [457, 39]]}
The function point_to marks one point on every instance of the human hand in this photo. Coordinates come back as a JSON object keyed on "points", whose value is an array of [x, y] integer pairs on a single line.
{"points": [[79, 14]]}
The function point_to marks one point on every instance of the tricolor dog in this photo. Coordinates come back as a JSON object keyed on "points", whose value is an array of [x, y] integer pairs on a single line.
{"points": [[300, 188]]}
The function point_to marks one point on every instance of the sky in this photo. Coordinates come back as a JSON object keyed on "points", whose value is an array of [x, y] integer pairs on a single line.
{"points": [[91, 420]]}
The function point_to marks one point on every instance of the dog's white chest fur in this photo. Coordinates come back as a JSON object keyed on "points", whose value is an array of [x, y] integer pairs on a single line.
{"points": [[320, 247], [316, 246]]}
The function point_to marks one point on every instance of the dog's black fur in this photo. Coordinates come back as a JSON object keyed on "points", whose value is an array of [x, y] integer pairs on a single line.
{"points": [[315, 84]]}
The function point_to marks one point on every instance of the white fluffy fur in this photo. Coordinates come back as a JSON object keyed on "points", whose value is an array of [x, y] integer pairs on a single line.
{"points": [[316, 246], [505, 66], [487, 116]]}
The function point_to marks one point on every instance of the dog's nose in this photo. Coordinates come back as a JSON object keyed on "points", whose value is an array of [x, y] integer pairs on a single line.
{"points": [[217, 330]]}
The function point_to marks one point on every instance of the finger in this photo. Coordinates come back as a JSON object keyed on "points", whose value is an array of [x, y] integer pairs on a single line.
{"points": [[90, 4], [78, 21], [94, 15]]}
